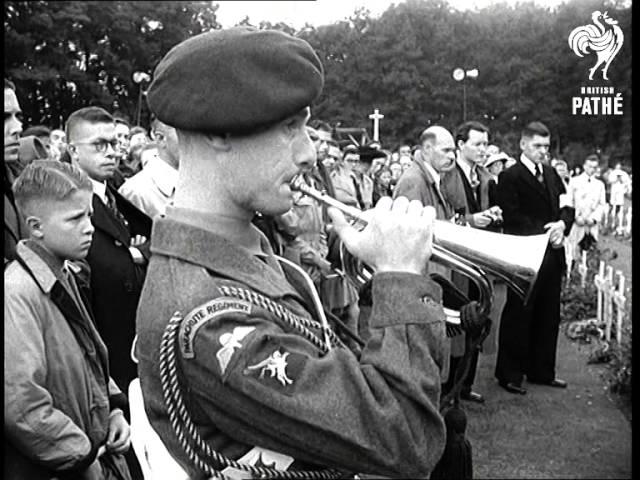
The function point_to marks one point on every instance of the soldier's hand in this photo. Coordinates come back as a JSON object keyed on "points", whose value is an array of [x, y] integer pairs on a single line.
{"points": [[398, 236], [138, 240]]}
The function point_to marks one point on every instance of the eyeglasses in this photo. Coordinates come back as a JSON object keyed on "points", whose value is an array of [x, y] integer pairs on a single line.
{"points": [[101, 145]]}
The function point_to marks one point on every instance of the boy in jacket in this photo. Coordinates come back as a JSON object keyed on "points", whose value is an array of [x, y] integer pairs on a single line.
{"points": [[63, 414]]}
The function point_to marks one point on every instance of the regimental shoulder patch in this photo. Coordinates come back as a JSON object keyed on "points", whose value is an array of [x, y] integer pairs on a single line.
{"points": [[280, 369], [202, 314], [229, 342]]}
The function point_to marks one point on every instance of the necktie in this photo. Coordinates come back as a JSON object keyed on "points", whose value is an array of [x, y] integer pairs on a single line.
{"points": [[473, 178], [474, 181], [111, 205], [539, 175], [358, 192]]}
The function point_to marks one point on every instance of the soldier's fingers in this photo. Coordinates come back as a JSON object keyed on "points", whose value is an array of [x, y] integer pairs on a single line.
{"points": [[415, 208], [400, 205], [384, 204]]}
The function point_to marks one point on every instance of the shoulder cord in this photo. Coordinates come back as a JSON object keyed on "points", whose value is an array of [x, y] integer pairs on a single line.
{"points": [[291, 319], [180, 419]]}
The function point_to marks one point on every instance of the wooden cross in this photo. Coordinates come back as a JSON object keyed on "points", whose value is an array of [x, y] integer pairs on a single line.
{"points": [[619, 300], [376, 116]]}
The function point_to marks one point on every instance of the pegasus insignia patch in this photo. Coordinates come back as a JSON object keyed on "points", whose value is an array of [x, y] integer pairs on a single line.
{"points": [[276, 366]]}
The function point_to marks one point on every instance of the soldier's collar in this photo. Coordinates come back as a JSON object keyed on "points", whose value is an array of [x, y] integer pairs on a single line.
{"points": [[175, 238]]}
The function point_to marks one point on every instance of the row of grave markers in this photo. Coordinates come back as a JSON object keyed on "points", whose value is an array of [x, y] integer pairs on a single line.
{"points": [[611, 297], [619, 223]]}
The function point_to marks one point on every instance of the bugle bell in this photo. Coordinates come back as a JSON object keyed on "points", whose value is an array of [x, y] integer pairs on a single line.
{"points": [[472, 252]]}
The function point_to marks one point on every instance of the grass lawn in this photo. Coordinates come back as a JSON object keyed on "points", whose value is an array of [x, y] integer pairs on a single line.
{"points": [[581, 432]]}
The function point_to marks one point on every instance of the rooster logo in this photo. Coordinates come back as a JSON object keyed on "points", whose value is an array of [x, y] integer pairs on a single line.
{"points": [[603, 39]]}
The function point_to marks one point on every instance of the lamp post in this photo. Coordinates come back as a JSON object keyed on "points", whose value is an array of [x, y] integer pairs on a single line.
{"points": [[459, 74], [139, 78]]}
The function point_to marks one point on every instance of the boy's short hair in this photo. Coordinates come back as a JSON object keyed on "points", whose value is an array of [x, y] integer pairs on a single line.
{"points": [[86, 114], [48, 180]]}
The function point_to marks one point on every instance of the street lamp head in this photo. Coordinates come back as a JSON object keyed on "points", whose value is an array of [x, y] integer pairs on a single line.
{"points": [[458, 74], [139, 77], [472, 73]]}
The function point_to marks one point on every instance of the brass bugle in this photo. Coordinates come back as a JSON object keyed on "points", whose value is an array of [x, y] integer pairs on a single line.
{"points": [[473, 252]]}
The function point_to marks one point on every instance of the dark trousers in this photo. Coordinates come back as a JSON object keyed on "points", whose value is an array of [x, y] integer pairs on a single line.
{"points": [[467, 383], [529, 333]]}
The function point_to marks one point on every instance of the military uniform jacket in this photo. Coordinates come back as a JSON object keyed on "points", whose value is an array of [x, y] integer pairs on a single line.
{"points": [[251, 380]]}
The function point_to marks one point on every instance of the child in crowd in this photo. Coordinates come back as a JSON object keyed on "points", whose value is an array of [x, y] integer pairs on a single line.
{"points": [[63, 413]]}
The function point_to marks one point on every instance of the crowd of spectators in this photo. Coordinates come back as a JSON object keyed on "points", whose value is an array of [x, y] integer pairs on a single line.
{"points": [[132, 173]]}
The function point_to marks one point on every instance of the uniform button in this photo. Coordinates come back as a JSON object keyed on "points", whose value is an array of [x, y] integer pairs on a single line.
{"points": [[118, 243]]}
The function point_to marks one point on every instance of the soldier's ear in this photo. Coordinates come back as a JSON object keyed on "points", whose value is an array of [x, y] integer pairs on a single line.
{"points": [[218, 142]]}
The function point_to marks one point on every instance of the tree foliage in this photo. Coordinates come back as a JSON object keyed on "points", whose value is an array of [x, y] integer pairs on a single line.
{"points": [[402, 63], [64, 55]]}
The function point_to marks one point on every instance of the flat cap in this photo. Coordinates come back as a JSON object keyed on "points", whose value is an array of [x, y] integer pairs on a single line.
{"points": [[236, 80]]}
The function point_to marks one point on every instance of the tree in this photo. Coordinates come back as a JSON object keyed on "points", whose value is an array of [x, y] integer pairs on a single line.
{"points": [[66, 55]]}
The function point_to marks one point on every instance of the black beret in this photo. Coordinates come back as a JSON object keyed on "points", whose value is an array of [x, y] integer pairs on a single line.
{"points": [[235, 80]]}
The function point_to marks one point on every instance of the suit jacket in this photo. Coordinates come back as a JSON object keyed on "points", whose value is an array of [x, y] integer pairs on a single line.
{"points": [[116, 281], [416, 183], [458, 192], [527, 205]]}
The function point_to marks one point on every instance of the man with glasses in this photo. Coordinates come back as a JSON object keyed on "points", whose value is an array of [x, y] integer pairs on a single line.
{"points": [[119, 252], [343, 177]]}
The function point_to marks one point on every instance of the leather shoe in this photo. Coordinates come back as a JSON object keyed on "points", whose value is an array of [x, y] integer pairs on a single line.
{"points": [[513, 388], [556, 382], [472, 396]]}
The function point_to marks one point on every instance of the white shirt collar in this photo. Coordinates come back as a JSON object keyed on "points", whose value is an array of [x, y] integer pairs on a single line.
{"points": [[433, 172], [466, 168], [100, 189], [529, 164]]}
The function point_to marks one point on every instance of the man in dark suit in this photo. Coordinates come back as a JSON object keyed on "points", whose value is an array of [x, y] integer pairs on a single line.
{"points": [[529, 194], [14, 228], [466, 187], [119, 252]]}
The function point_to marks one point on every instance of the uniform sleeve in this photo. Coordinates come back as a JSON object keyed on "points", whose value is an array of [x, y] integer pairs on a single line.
{"points": [[376, 414], [32, 423]]}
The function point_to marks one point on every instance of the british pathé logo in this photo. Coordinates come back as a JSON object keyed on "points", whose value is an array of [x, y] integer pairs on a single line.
{"points": [[603, 38]]}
